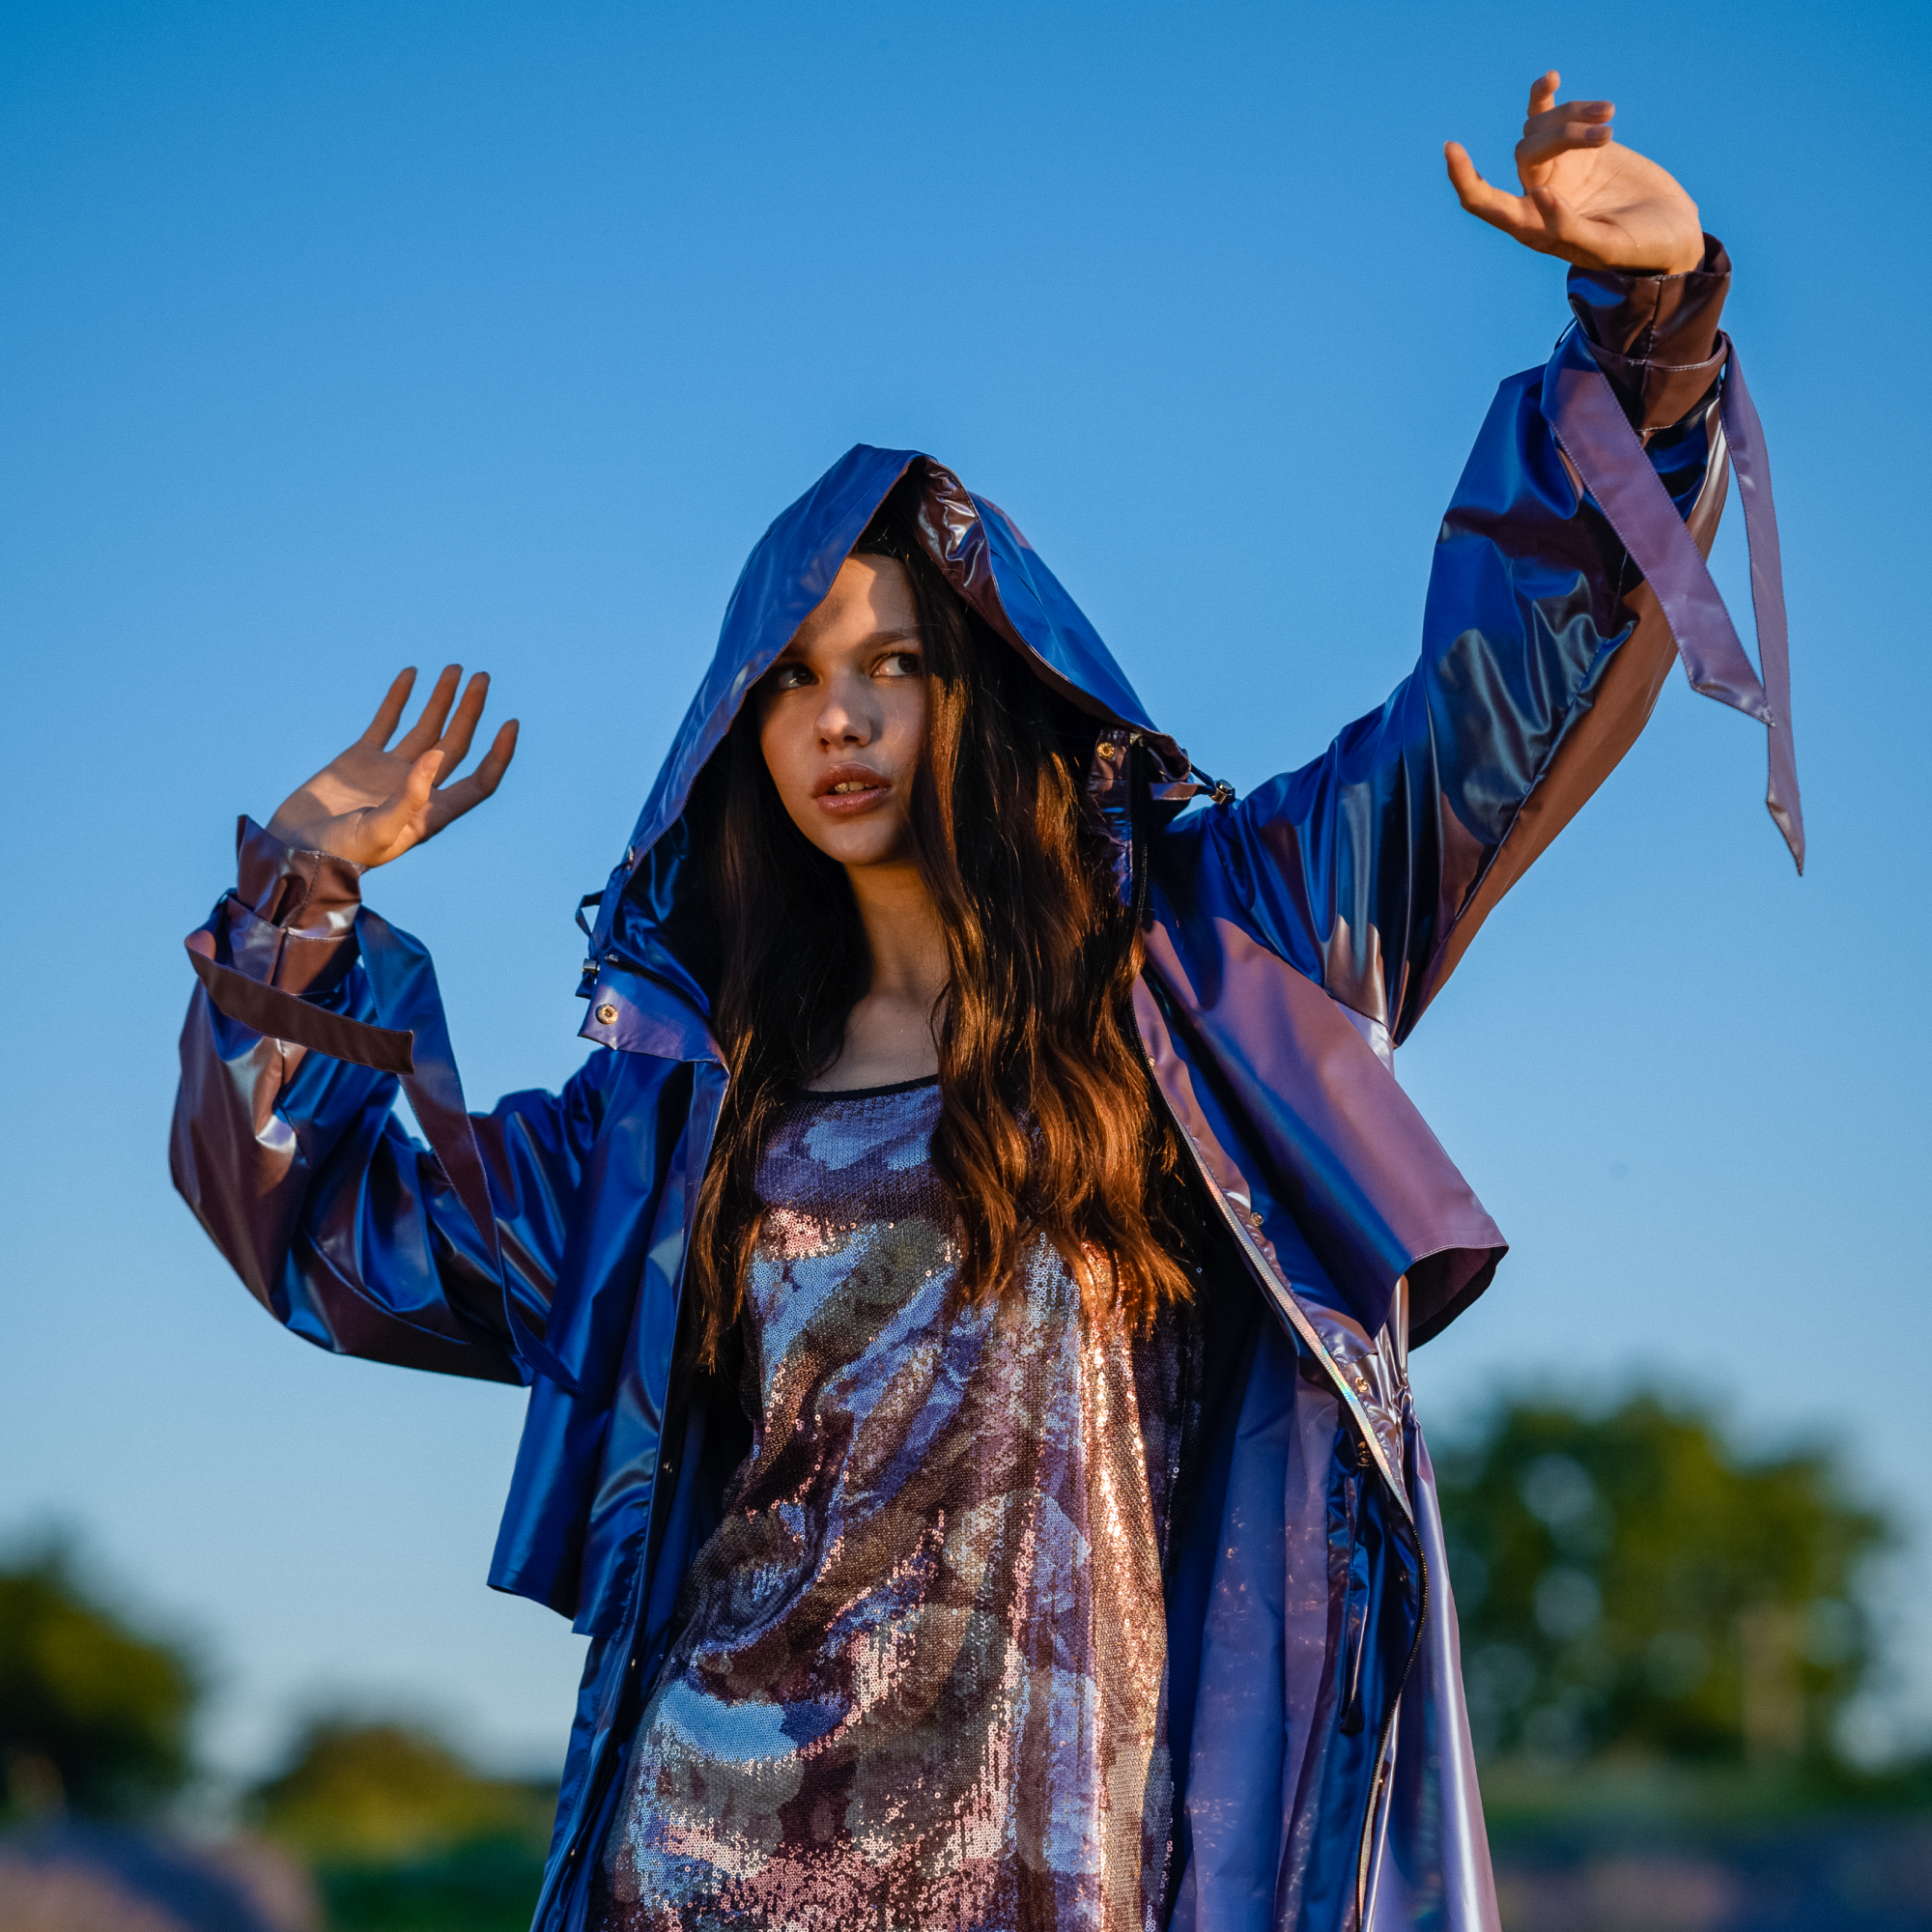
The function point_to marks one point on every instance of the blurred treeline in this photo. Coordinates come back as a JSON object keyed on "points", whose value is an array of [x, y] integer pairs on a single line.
{"points": [[1629, 1586], [1683, 1714], [1638, 1598], [97, 1725]]}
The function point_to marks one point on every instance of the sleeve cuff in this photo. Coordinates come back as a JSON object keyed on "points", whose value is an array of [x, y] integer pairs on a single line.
{"points": [[307, 890], [1655, 337], [290, 921]]}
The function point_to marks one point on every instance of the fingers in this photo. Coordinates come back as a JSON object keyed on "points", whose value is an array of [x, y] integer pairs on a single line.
{"points": [[1524, 217], [428, 729], [1571, 110], [489, 775], [400, 821], [390, 713], [452, 800], [1575, 126], [1553, 210], [455, 740], [1506, 211], [1557, 228], [1560, 230], [1543, 91]]}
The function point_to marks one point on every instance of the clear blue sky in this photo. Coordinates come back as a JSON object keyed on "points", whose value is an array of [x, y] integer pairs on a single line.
{"points": [[343, 337]]}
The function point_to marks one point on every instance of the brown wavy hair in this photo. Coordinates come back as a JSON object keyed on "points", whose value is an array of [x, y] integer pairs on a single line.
{"points": [[1047, 1122]]}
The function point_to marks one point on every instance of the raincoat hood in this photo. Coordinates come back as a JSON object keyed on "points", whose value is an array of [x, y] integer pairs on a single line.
{"points": [[983, 556]]}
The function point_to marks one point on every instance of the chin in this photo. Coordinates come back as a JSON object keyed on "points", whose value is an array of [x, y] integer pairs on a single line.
{"points": [[863, 846], [868, 853]]}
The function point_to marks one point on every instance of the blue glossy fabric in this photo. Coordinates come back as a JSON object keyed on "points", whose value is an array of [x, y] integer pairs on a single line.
{"points": [[981, 552], [1234, 1793], [1295, 936]]}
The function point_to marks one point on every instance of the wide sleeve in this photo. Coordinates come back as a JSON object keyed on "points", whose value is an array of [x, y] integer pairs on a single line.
{"points": [[1542, 655], [339, 1221]]}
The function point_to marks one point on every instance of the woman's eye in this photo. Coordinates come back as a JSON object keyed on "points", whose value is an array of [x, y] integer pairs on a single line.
{"points": [[902, 663], [791, 677]]}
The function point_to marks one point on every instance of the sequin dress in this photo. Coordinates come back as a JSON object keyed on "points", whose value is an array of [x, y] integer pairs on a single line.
{"points": [[919, 1672]]}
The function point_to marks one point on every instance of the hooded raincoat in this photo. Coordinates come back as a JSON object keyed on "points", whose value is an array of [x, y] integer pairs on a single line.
{"points": [[1323, 1772]]}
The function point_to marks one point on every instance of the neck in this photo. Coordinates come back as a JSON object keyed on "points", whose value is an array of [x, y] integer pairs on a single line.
{"points": [[889, 1034], [902, 933]]}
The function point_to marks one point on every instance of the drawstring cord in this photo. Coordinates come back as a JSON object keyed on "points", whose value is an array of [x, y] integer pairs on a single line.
{"points": [[1140, 886]]}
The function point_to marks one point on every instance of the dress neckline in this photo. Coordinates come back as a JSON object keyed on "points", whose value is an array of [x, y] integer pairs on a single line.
{"points": [[867, 1093]]}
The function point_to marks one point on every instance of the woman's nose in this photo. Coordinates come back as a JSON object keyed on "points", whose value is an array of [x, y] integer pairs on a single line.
{"points": [[843, 719]]}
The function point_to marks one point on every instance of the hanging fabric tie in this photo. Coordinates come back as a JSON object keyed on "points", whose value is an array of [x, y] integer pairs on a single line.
{"points": [[1609, 457]]}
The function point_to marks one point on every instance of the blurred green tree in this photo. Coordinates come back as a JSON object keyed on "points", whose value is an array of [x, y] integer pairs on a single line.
{"points": [[403, 1835], [1626, 1584], [94, 1714], [380, 1792]]}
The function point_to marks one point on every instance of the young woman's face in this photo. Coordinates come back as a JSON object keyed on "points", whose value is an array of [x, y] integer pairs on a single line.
{"points": [[843, 715]]}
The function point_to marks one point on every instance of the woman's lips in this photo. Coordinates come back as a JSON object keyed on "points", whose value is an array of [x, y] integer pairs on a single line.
{"points": [[846, 790]]}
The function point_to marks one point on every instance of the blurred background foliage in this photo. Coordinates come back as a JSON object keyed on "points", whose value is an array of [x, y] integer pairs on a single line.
{"points": [[1656, 1625], [390, 1791], [1629, 1584], [403, 1835], [94, 1714], [396, 1831]]}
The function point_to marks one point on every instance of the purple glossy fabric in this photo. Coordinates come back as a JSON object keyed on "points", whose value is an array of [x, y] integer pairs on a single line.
{"points": [[1296, 936], [1750, 464], [1596, 436]]}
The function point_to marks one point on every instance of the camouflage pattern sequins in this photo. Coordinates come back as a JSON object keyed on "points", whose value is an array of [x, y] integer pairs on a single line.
{"points": [[919, 1676]]}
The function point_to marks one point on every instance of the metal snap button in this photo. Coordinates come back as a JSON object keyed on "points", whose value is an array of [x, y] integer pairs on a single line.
{"points": [[607, 1014]]}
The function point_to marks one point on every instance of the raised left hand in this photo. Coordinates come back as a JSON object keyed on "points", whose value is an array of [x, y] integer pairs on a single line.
{"points": [[374, 801], [1583, 197]]}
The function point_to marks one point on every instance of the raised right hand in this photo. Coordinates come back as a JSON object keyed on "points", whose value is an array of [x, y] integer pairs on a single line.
{"points": [[371, 804], [1584, 198]]}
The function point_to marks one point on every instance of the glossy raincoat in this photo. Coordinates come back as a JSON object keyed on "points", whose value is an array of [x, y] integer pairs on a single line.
{"points": [[1294, 937]]}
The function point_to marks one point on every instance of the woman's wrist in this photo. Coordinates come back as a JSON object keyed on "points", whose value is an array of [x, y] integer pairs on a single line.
{"points": [[1656, 336], [293, 885]]}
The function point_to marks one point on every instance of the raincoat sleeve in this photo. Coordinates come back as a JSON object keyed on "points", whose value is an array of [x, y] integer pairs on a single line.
{"points": [[343, 1225], [1542, 654]]}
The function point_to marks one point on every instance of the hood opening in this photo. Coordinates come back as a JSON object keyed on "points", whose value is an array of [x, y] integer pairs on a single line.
{"points": [[645, 921]]}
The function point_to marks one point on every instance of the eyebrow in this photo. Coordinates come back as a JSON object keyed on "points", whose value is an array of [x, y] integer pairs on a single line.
{"points": [[905, 634]]}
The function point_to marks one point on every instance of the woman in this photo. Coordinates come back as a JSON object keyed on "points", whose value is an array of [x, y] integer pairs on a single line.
{"points": [[966, 1303]]}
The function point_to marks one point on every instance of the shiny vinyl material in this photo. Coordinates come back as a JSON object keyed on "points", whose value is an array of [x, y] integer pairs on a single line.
{"points": [[1321, 1763], [918, 1675]]}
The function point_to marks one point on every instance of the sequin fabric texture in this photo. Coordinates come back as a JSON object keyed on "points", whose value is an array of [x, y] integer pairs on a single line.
{"points": [[919, 1675]]}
